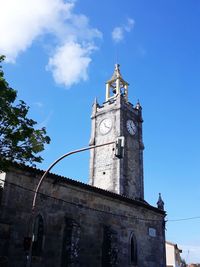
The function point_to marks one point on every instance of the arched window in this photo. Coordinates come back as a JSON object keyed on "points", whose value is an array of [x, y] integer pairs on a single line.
{"points": [[109, 247], [133, 250], [38, 236], [71, 242]]}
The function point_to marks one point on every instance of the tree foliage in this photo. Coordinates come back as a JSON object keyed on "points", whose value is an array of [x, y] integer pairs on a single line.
{"points": [[19, 140]]}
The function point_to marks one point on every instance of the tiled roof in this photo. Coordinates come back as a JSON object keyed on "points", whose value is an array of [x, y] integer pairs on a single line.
{"points": [[61, 179]]}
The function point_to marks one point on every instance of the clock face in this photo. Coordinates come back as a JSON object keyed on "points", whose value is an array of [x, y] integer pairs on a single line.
{"points": [[131, 127], [105, 126]]}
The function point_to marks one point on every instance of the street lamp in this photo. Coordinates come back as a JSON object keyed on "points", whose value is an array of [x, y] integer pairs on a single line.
{"points": [[119, 146]]}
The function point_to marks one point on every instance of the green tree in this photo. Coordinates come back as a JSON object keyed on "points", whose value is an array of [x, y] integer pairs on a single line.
{"points": [[19, 140]]}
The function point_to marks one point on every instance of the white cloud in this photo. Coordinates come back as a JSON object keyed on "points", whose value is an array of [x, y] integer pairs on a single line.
{"points": [[130, 24], [118, 32], [23, 21], [70, 62]]}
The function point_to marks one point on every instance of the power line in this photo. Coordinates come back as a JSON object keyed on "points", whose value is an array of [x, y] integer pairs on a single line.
{"points": [[184, 219], [98, 210], [80, 205]]}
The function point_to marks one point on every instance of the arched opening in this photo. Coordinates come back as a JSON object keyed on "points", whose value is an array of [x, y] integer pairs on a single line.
{"points": [[133, 250], [109, 247], [38, 231], [71, 243]]}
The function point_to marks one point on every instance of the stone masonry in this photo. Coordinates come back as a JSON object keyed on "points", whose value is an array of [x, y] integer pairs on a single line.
{"points": [[87, 213]]}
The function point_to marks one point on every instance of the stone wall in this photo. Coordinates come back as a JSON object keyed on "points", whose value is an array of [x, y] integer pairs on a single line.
{"points": [[82, 225], [120, 175]]}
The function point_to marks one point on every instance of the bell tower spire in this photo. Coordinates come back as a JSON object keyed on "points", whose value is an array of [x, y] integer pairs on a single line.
{"points": [[116, 86]]}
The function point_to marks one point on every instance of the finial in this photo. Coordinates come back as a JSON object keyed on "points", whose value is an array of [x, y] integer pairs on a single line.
{"points": [[117, 66], [95, 105], [138, 106], [117, 71], [95, 101], [160, 203]]}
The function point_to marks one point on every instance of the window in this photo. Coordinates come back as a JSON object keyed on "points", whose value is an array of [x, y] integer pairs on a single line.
{"points": [[109, 247], [38, 236], [71, 242], [106, 246], [133, 250]]}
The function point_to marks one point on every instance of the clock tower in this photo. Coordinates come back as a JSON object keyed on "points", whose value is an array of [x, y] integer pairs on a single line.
{"points": [[117, 117]]}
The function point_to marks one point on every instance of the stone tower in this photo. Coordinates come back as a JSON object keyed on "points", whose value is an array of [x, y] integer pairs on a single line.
{"points": [[115, 118]]}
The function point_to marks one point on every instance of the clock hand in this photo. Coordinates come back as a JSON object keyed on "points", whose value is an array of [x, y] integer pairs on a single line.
{"points": [[133, 128], [105, 125]]}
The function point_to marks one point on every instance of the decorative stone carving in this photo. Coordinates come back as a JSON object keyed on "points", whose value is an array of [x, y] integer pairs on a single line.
{"points": [[160, 203]]}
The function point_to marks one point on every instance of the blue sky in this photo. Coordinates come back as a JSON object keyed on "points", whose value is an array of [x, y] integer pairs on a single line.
{"points": [[59, 55]]}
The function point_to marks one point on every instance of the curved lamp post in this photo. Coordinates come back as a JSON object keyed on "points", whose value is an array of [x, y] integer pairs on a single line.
{"points": [[39, 185]]}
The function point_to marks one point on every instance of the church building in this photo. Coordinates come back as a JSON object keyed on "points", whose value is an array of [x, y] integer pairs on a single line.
{"points": [[104, 223]]}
